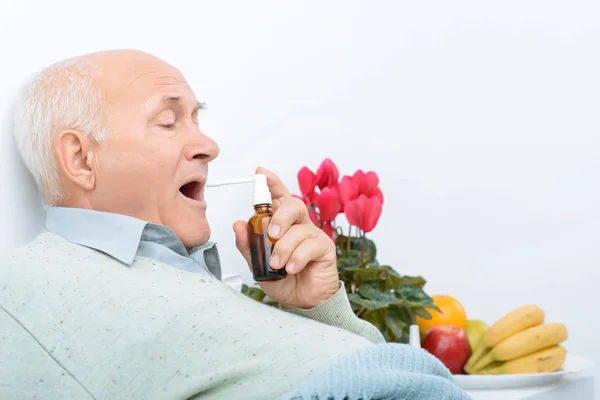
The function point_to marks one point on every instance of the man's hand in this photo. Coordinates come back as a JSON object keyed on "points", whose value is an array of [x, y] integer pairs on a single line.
{"points": [[304, 250]]}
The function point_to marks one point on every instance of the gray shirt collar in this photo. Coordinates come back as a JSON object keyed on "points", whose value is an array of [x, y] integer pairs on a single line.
{"points": [[122, 237]]}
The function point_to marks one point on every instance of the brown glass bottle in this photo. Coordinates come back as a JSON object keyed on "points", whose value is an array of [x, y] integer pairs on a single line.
{"points": [[261, 245]]}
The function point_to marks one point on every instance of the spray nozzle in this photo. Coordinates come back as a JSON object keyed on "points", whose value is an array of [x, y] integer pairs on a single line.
{"points": [[260, 192]]}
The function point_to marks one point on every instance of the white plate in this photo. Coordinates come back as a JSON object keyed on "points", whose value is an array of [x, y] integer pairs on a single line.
{"points": [[572, 364]]}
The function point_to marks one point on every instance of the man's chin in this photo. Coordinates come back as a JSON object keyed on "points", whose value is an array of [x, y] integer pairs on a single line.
{"points": [[196, 236]]}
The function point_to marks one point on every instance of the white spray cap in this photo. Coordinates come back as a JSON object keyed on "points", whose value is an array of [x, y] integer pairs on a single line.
{"points": [[261, 193]]}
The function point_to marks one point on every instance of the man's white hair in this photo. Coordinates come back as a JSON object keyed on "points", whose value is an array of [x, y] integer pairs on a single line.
{"points": [[62, 96]]}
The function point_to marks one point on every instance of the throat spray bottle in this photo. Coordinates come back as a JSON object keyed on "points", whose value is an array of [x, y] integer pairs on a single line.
{"points": [[261, 244]]}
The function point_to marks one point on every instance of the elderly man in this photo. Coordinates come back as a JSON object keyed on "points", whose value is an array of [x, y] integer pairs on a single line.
{"points": [[121, 297]]}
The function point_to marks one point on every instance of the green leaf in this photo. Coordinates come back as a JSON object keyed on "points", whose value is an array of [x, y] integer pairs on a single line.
{"points": [[355, 307], [370, 251], [253, 292], [415, 295], [356, 245], [348, 259], [369, 274], [347, 277], [388, 283], [377, 319], [433, 307], [369, 304], [394, 322], [398, 281], [269, 301], [372, 291], [421, 312], [416, 281], [342, 242], [401, 317], [391, 284]]}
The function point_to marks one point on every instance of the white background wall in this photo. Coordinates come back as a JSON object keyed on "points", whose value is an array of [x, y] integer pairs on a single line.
{"points": [[482, 121]]}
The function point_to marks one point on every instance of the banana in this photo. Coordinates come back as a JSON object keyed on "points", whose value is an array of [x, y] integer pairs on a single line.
{"points": [[515, 321], [469, 369], [475, 330], [547, 360], [524, 343], [494, 364]]}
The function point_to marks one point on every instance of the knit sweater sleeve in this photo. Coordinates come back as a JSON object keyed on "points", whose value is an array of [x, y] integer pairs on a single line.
{"points": [[336, 311]]}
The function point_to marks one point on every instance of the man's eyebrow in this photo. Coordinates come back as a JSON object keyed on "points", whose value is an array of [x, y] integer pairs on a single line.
{"points": [[199, 106], [176, 99]]}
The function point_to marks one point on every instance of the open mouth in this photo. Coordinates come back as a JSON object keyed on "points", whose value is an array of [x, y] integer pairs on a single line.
{"points": [[192, 190]]}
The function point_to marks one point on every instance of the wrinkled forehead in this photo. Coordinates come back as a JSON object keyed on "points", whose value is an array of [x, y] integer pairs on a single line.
{"points": [[135, 81]]}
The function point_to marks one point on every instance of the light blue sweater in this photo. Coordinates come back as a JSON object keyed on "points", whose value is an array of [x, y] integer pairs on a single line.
{"points": [[384, 372]]}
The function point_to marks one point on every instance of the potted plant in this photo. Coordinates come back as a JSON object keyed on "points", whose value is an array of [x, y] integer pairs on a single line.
{"points": [[377, 293]]}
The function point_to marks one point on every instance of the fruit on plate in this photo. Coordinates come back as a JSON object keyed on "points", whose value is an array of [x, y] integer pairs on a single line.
{"points": [[514, 322], [526, 342], [449, 344], [548, 360], [475, 330], [452, 312]]}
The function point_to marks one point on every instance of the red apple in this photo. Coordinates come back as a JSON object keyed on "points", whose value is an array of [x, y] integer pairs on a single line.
{"points": [[449, 343]]}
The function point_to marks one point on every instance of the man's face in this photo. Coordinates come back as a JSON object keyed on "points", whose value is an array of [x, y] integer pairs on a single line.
{"points": [[155, 163]]}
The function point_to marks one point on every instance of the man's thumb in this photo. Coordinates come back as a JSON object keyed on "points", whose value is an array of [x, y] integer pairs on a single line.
{"points": [[242, 242]]}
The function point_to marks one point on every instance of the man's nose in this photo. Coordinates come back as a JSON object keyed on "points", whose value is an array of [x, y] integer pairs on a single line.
{"points": [[201, 148]]}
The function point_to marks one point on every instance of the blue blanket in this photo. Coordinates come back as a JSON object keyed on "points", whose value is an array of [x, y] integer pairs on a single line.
{"points": [[384, 372]]}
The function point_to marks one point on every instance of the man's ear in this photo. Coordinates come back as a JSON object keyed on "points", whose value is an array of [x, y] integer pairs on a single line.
{"points": [[74, 154]]}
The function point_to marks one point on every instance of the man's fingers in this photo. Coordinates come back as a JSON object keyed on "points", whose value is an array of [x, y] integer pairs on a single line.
{"points": [[283, 249], [292, 211], [242, 242], [279, 193], [309, 250]]}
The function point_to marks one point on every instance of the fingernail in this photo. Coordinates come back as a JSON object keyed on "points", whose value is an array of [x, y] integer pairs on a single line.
{"points": [[274, 231], [290, 267], [275, 261]]}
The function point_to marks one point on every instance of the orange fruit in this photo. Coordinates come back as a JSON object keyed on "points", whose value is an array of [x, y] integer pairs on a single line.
{"points": [[453, 313]]}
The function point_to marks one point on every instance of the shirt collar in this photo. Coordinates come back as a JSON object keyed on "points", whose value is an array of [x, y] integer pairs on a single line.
{"points": [[119, 235], [114, 234]]}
